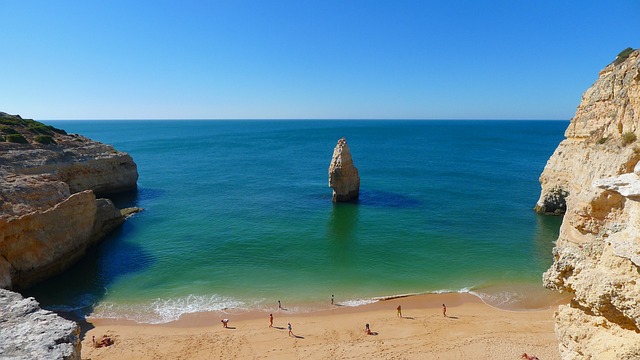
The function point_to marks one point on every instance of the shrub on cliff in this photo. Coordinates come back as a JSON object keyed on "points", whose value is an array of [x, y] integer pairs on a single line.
{"points": [[624, 54], [7, 130], [16, 138], [628, 138], [40, 128], [44, 139], [32, 125]]}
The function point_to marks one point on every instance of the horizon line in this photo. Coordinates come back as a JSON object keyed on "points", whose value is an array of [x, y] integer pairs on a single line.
{"points": [[299, 119]]}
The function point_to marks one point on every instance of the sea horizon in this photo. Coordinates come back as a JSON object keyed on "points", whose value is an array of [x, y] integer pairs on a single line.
{"points": [[238, 215]]}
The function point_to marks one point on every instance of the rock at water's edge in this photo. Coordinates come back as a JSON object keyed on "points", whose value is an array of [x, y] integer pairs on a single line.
{"points": [[343, 175], [49, 213], [29, 332]]}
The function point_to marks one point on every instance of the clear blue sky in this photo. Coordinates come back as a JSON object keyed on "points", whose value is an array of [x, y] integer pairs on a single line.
{"points": [[140, 59]]}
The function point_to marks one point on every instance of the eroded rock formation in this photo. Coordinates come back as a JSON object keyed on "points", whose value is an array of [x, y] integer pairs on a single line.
{"points": [[597, 255], [55, 338], [343, 175], [49, 214]]}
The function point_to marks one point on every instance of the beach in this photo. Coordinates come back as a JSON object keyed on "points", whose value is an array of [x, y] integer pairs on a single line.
{"points": [[471, 329]]}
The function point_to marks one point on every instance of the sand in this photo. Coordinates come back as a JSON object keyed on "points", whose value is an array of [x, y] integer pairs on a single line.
{"points": [[471, 330]]}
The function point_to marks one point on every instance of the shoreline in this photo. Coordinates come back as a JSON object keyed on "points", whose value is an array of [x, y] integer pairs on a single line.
{"points": [[510, 297], [470, 329]]}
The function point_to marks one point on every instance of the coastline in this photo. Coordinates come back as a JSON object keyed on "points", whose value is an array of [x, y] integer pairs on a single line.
{"points": [[471, 328]]}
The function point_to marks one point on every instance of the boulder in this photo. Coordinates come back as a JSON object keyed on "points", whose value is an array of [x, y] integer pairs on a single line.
{"points": [[29, 332]]}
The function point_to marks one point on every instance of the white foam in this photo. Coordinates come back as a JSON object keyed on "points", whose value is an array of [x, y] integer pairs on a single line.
{"points": [[165, 310], [357, 302]]}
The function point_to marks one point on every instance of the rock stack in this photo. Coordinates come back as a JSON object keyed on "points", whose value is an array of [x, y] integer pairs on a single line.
{"points": [[343, 175]]}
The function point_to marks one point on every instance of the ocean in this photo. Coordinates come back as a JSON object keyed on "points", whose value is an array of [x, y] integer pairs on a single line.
{"points": [[238, 215]]}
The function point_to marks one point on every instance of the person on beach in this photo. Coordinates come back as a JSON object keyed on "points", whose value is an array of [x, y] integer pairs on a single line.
{"points": [[331, 299], [399, 308], [529, 357], [270, 320], [444, 310], [225, 323], [367, 330], [105, 341], [290, 329], [279, 305]]}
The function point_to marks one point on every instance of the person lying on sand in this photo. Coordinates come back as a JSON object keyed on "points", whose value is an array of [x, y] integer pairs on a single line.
{"points": [[105, 341]]}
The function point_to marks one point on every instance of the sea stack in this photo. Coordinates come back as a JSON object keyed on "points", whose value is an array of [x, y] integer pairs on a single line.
{"points": [[595, 175], [343, 175]]}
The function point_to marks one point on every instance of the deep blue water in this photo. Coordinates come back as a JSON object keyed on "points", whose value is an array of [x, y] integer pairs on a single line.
{"points": [[239, 214]]}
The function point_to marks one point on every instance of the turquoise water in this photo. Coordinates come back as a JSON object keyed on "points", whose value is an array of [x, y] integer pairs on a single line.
{"points": [[238, 214]]}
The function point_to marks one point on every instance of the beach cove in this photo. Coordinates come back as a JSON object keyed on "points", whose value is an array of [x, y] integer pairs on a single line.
{"points": [[238, 215], [471, 329]]}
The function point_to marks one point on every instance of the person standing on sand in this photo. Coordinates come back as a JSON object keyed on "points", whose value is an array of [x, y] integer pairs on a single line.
{"points": [[225, 323], [270, 320], [279, 305], [290, 329], [399, 308], [331, 299], [444, 310]]}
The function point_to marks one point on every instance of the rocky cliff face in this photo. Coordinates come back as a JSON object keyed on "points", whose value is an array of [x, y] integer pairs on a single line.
{"points": [[591, 178], [54, 338], [343, 175], [49, 214]]}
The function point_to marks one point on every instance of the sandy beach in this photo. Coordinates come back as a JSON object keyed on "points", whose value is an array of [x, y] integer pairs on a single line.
{"points": [[471, 329]]}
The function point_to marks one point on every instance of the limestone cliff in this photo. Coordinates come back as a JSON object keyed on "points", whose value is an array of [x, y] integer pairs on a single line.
{"points": [[28, 332], [343, 175], [49, 214], [590, 177]]}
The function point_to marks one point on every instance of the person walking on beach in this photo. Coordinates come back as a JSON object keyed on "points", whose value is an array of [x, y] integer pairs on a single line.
{"points": [[225, 323], [444, 310], [270, 320], [290, 329], [331, 299], [279, 305], [399, 308]]}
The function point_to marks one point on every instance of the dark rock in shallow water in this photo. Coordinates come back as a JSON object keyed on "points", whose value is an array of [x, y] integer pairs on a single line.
{"points": [[29, 332]]}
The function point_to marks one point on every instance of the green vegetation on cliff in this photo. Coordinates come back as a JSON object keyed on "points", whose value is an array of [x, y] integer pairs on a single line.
{"points": [[623, 55], [15, 129]]}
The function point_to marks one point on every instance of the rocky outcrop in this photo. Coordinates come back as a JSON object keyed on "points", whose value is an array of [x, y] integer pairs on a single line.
{"points": [[343, 175], [28, 332], [594, 175], [49, 214]]}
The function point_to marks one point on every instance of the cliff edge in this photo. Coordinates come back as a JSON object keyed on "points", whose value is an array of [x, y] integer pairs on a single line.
{"points": [[49, 213], [593, 177]]}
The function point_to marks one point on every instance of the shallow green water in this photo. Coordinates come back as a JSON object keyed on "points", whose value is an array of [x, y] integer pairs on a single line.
{"points": [[238, 214]]}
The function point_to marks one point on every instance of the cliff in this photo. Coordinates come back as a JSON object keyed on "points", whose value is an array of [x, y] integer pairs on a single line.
{"points": [[49, 213], [343, 175], [593, 178]]}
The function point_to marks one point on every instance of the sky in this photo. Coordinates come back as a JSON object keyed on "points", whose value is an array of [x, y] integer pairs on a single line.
{"points": [[307, 59]]}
